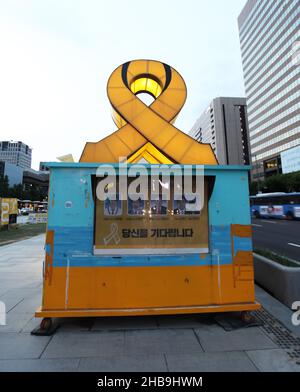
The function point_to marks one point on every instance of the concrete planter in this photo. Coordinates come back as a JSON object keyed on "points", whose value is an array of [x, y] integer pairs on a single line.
{"points": [[282, 282]]}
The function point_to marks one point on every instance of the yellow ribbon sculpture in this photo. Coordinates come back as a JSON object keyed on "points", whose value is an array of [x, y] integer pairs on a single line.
{"points": [[147, 131]]}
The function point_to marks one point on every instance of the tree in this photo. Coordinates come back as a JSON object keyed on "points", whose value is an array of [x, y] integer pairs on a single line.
{"points": [[287, 183], [4, 186], [275, 183], [34, 193], [16, 191], [292, 182]]}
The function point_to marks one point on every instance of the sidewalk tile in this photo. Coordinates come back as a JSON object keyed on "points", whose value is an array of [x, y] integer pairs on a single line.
{"points": [[126, 363], [235, 361], [237, 340], [273, 361]]}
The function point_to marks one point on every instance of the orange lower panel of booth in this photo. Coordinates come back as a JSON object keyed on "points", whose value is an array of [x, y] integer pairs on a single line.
{"points": [[117, 291]]}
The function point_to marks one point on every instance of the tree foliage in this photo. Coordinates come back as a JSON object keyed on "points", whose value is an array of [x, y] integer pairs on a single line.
{"points": [[287, 183], [17, 191]]}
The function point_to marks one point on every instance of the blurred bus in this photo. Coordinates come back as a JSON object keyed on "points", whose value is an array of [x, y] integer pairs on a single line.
{"points": [[276, 205]]}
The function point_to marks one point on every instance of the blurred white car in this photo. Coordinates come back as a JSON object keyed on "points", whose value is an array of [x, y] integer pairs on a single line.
{"points": [[24, 211]]}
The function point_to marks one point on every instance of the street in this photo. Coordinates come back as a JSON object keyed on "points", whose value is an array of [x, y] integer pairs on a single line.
{"points": [[279, 236]]}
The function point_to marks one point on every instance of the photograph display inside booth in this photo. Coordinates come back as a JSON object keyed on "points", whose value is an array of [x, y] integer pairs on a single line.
{"points": [[154, 223]]}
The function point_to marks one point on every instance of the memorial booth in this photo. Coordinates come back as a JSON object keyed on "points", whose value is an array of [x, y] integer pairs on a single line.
{"points": [[183, 246]]}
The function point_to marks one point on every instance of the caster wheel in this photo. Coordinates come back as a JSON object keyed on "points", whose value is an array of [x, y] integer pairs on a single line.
{"points": [[46, 324], [47, 328], [246, 317]]}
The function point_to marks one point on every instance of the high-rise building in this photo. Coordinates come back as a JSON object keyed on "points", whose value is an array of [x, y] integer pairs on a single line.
{"points": [[224, 125], [270, 44], [16, 153]]}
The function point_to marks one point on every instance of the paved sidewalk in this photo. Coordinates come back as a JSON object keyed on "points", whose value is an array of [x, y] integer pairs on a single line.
{"points": [[164, 343]]}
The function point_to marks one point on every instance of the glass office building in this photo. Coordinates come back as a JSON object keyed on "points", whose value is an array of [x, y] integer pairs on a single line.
{"points": [[270, 45]]}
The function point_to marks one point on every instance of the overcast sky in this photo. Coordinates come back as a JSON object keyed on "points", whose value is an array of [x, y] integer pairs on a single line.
{"points": [[56, 57]]}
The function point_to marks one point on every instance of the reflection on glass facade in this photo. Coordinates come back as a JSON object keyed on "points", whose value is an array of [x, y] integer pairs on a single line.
{"points": [[269, 32]]}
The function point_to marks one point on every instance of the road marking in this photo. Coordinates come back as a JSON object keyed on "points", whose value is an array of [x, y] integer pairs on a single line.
{"points": [[256, 225], [273, 223], [291, 244]]}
